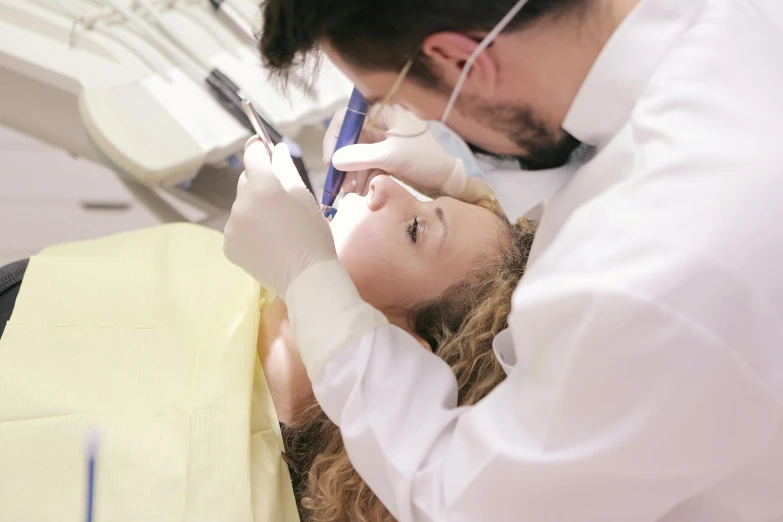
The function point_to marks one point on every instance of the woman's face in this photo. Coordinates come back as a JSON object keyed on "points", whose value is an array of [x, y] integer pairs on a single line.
{"points": [[401, 251]]}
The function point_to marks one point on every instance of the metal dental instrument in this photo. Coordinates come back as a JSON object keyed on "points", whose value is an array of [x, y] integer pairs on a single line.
{"points": [[258, 125], [224, 90], [257, 122], [349, 135]]}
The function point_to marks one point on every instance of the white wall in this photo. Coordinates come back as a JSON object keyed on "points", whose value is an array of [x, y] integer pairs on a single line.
{"points": [[44, 193], [42, 197]]}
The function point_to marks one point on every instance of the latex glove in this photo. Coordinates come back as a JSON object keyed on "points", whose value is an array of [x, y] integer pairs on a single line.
{"points": [[276, 230], [418, 161], [277, 234]]}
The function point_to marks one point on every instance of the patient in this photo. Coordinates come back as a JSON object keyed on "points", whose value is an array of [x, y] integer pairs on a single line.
{"points": [[443, 270]]}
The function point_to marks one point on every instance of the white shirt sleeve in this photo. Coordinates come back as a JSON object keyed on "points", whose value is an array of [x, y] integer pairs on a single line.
{"points": [[625, 408]]}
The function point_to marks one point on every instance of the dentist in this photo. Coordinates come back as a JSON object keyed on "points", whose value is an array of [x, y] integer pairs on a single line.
{"points": [[644, 356]]}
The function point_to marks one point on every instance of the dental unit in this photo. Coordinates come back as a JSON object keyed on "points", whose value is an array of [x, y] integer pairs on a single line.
{"points": [[153, 90]]}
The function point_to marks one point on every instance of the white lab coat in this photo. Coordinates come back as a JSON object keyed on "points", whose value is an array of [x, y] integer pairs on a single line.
{"points": [[644, 348]]}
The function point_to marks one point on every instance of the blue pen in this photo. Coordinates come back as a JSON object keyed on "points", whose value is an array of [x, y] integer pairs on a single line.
{"points": [[92, 451], [349, 135]]}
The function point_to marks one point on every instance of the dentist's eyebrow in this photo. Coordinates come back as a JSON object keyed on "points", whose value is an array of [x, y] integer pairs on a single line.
{"points": [[443, 225]]}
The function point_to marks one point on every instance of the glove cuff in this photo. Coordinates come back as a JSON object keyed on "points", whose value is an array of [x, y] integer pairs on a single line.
{"points": [[463, 187], [476, 189], [327, 314]]}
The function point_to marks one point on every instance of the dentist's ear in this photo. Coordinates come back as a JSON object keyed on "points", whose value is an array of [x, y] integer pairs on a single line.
{"points": [[449, 51]]}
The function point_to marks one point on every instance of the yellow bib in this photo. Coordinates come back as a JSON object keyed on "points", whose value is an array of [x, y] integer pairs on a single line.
{"points": [[149, 337]]}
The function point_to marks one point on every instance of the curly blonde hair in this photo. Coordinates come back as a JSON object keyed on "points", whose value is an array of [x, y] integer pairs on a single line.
{"points": [[459, 326]]}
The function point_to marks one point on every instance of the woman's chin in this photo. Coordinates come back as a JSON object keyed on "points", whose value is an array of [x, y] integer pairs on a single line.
{"points": [[350, 210]]}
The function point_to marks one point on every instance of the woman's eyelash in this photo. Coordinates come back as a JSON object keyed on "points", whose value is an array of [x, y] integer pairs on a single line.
{"points": [[413, 230]]}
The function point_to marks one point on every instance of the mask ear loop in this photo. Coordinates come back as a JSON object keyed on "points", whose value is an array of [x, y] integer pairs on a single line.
{"points": [[476, 53]]}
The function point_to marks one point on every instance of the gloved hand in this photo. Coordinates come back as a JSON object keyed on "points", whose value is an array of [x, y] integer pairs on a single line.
{"points": [[419, 160], [277, 234], [276, 230]]}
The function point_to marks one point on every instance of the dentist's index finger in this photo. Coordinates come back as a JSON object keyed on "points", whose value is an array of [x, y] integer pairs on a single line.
{"points": [[289, 178], [258, 169], [365, 156], [284, 168], [256, 158]]}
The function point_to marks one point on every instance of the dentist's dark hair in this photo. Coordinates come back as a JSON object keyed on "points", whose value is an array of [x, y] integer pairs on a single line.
{"points": [[381, 34]]}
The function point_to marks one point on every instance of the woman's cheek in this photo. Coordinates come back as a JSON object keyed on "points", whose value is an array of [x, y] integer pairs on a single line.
{"points": [[376, 271]]}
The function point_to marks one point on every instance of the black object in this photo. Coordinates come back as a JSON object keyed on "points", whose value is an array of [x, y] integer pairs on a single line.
{"points": [[10, 282]]}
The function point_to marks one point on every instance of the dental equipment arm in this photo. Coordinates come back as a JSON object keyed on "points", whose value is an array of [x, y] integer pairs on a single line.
{"points": [[350, 129], [234, 21], [225, 90], [112, 94]]}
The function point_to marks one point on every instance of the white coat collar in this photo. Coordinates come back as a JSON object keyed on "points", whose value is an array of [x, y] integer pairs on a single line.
{"points": [[519, 192], [605, 100], [609, 93]]}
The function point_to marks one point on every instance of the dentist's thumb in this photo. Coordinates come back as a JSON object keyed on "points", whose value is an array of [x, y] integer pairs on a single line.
{"points": [[366, 156]]}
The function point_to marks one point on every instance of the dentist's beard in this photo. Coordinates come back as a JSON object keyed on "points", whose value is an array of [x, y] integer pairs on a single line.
{"points": [[543, 148]]}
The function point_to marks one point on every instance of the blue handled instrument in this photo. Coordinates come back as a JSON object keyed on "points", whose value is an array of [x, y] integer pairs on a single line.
{"points": [[349, 135]]}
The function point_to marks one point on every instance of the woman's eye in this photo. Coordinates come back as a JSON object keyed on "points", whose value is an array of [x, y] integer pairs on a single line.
{"points": [[413, 230]]}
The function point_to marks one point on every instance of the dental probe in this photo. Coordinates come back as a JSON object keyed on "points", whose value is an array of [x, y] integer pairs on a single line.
{"points": [[258, 126], [349, 135]]}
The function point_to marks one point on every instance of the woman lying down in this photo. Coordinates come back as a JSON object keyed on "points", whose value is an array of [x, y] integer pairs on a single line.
{"points": [[183, 367]]}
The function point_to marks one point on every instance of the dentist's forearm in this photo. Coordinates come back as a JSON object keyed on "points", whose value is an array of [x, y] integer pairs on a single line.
{"points": [[327, 313]]}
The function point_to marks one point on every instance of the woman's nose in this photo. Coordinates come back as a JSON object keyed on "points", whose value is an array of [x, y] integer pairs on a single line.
{"points": [[382, 191]]}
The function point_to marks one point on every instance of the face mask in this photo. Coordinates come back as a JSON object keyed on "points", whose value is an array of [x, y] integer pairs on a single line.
{"points": [[455, 146]]}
